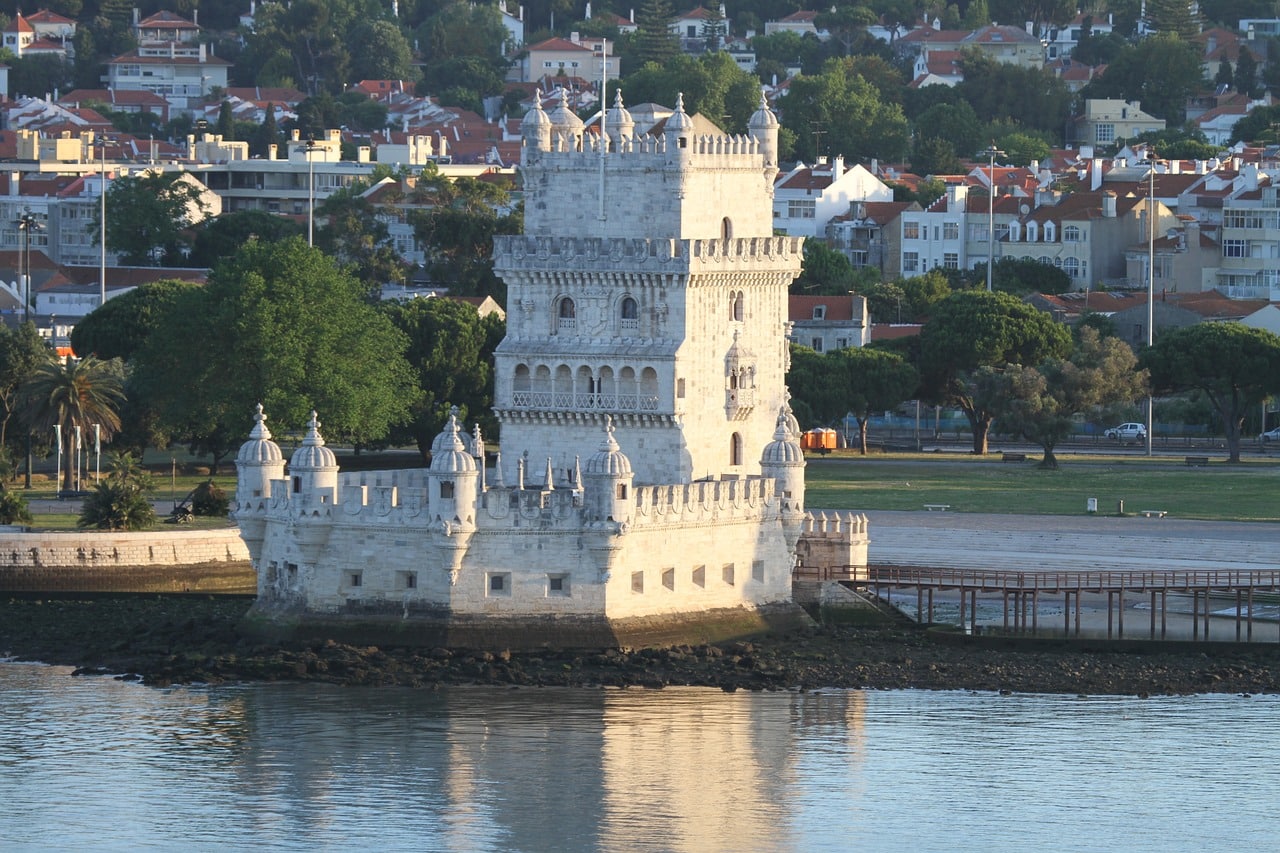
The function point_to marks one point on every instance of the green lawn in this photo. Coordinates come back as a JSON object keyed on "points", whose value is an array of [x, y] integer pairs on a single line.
{"points": [[1248, 492]]}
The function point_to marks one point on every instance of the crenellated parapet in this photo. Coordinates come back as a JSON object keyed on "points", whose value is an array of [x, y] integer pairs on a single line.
{"points": [[834, 544], [524, 254], [748, 498]]}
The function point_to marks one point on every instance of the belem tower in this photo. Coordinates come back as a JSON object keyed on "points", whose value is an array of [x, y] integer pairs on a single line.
{"points": [[650, 484]]}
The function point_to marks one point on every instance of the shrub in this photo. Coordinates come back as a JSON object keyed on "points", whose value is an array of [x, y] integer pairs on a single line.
{"points": [[209, 499], [13, 508], [113, 505]]}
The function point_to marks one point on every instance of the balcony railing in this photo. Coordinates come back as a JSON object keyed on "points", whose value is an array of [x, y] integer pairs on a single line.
{"points": [[569, 402]]}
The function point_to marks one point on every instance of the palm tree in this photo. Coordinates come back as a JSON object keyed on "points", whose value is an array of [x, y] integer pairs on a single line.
{"points": [[75, 394]]}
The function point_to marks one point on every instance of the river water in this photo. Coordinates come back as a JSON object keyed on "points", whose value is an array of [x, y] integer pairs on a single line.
{"points": [[100, 764]]}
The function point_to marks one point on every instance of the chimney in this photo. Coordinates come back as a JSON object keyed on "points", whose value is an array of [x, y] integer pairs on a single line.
{"points": [[1031, 28], [135, 17], [837, 167], [195, 17], [1109, 204], [1095, 174], [575, 37]]}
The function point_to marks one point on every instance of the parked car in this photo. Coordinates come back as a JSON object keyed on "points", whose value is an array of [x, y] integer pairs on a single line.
{"points": [[1271, 434], [1128, 432]]}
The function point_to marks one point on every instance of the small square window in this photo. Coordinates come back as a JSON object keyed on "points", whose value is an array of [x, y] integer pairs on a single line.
{"points": [[499, 585], [669, 578], [637, 581], [726, 572], [700, 576], [356, 578], [408, 580], [757, 570], [558, 585]]}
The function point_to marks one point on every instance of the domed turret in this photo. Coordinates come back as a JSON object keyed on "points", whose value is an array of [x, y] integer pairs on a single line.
{"points": [[679, 120], [618, 123], [448, 452], [606, 483], [535, 128], [783, 460], [763, 128], [257, 464], [312, 455], [313, 471], [452, 495], [566, 127]]}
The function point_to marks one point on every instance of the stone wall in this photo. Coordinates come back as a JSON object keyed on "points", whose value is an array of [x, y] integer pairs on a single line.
{"points": [[148, 561]]}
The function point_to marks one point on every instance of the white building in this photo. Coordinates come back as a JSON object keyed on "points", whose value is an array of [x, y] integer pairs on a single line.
{"points": [[650, 487], [806, 198]]}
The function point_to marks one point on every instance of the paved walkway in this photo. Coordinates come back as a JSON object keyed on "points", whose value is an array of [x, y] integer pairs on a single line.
{"points": [[1073, 543]]}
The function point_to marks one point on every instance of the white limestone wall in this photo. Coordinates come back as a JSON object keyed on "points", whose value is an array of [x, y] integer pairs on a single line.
{"points": [[648, 194]]}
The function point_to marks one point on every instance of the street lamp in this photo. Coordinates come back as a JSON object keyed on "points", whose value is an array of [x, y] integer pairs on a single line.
{"points": [[992, 153], [25, 223], [1151, 277], [310, 148], [102, 221]]}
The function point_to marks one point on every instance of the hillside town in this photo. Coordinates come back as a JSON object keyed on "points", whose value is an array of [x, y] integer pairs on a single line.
{"points": [[1104, 167]]}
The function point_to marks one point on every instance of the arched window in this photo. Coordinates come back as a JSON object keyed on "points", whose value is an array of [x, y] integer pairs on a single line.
{"points": [[1045, 259], [1071, 267], [630, 313], [726, 229], [566, 314], [737, 307], [735, 449], [1071, 234]]}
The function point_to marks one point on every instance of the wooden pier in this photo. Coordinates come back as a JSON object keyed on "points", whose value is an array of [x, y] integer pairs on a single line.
{"points": [[1021, 592]]}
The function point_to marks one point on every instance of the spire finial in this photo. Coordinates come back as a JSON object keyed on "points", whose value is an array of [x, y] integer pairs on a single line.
{"points": [[680, 102], [617, 98], [259, 430]]}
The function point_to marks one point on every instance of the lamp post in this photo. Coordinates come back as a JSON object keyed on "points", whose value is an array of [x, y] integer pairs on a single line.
{"points": [[25, 223], [992, 153], [102, 223], [1151, 277], [310, 148]]}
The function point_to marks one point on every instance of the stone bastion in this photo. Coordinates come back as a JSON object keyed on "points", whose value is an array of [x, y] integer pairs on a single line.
{"points": [[144, 561]]}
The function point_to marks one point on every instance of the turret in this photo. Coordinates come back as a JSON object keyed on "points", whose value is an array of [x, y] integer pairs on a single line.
{"points": [[566, 127], [453, 489], [763, 128], [607, 501], [607, 482], [535, 131], [313, 491], [618, 124], [783, 460], [258, 463], [679, 132]]}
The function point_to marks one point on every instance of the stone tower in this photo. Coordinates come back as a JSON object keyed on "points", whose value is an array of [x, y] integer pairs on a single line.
{"points": [[647, 288]]}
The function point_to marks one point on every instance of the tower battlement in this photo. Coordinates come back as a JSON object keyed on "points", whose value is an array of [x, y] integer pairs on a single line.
{"points": [[524, 253]]}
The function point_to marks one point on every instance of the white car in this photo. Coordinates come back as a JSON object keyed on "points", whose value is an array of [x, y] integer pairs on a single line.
{"points": [[1128, 432], [1271, 434]]}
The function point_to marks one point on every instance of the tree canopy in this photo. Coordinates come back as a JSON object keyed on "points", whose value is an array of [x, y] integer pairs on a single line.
{"points": [[451, 351], [838, 111], [970, 330], [148, 215], [283, 325], [1039, 401], [1236, 367], [118, 328]]}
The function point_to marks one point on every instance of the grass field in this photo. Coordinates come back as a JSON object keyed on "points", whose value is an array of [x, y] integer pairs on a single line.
{"points": [[1248, 492]]}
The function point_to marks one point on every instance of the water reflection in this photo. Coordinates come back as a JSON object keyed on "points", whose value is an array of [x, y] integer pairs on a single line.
{"points": [[100, 764]]}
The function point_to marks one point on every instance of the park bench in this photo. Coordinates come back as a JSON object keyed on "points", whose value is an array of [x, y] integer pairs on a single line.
{"points": [[939, 507], [1013, 457], [1153, 513], [1197, 460]]}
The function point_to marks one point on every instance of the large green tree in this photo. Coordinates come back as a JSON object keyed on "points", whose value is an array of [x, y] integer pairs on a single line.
{"points": [[970, 330], [118, 328], [1160, 72], [451, 350], [712, 84], [654, 40], [874, 381], [1236, 367], [21, 351], [221, 236], [72, 395], [1032, 97], [839, 112], [283, 325], [1039, 401], [148, 216]]}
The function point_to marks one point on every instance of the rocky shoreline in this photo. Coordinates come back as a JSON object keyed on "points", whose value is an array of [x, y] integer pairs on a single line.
{"points": [[164, 640]]}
